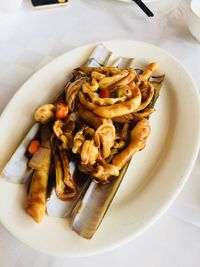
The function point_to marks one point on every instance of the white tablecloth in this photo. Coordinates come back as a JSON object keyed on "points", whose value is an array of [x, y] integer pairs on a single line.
{"points": [[28, 40]]}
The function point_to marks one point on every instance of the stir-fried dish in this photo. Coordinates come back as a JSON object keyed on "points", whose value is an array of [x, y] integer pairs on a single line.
{"points": [[100, 122], [75, 156]]}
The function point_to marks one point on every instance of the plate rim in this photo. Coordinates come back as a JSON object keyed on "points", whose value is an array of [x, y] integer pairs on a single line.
{"points": [[170, 200]]}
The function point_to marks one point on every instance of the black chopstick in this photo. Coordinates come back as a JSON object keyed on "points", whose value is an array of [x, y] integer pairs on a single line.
{"points": [[146, 10]]}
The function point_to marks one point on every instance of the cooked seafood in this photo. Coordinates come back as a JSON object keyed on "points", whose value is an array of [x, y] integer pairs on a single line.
{"points": [[55, 206], [120, 109], [108, 81], [90, 211], [16, 170], [44, 113], [148, 72], [90, 118], [40, 162], [94, 128], [104, 138], [138, 137], [72, 91], [65, 186]]}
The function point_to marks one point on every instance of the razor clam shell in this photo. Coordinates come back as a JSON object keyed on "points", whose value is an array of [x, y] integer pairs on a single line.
{"points": [[99, 56], [55, 206], [88, 216], [157, 82], [123, 62], [59, 208], [89, 212], [16, 170]]}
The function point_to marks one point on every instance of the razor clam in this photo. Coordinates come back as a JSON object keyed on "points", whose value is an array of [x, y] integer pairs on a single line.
{"points": [[99, 56], [89, 213], [61, 209], [55, 206], [65, 186], [40, 163], [123, 62], [16, 170], [157, 82]]}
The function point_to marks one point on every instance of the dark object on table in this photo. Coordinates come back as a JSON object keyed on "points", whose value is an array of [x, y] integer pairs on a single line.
{"points": [[146, 10], [40, 4]]}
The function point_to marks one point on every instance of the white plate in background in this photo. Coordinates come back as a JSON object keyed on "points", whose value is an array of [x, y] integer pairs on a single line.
{"points": [[154, 178]]}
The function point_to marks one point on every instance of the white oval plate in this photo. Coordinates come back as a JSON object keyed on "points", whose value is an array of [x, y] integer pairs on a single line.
{"points": [[154, 178]]}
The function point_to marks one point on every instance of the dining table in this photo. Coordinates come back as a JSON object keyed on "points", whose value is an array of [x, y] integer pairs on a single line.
{"points": [[30, 39]]}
